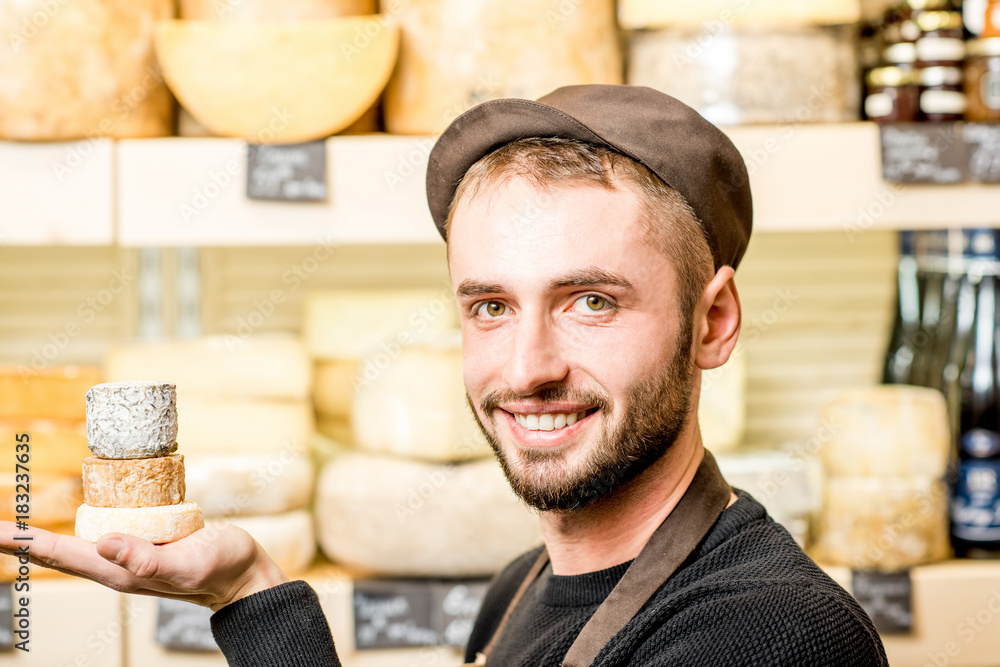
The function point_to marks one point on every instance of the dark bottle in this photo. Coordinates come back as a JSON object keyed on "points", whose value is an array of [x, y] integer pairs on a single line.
{"points": [[932, 261], [901, 352], [975, 510]]}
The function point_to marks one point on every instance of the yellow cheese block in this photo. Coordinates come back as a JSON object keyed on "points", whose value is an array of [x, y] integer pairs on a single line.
{"points": [[333, 389], [243, 426], [343, 324], [456, 56], [82, 69], [159, 525], [53, 393], [240, 485], [883, 523], [707, 13], [261, 366], [273, 10], [133, 482], [886, 431], [54, 445], [52, 499], [288, 538], [278, 82]]}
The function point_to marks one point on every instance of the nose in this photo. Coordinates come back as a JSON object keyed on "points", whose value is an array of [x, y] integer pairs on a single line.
{"points": [[535, 357]]}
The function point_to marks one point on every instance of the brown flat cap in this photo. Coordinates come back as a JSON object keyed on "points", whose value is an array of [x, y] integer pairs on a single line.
{"points": [[690, 154]]}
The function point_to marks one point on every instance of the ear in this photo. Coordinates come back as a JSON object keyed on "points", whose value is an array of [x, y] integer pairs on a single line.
{"points": [[717, 321]]}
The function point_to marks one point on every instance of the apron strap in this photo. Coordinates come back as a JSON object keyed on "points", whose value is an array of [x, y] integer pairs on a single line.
{"points": [[670, 545]]}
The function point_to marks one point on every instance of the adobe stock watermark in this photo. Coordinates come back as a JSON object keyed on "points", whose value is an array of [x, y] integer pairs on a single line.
{"points": [[31, 26]]}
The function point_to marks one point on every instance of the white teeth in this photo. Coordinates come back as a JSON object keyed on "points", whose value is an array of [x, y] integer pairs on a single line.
{"points": [[549, 422]]}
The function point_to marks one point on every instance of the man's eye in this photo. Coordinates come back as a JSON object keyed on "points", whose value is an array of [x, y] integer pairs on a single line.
{"points": [[492, 309], [592, 303]]}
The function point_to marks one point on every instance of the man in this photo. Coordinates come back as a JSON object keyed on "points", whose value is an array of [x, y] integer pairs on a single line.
{"points": [[592, 242]]}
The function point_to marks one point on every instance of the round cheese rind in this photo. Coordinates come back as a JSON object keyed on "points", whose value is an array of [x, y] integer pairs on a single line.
{"points": [[288, 538], [249, 485], [132, 420], [133, 482], [52, 393], [241, 426], [159, 525]]}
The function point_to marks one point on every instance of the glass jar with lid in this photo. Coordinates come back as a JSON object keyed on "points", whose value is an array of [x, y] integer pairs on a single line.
{"points": [[893, 95], [941, 40], [942, 95], [982, 81]]}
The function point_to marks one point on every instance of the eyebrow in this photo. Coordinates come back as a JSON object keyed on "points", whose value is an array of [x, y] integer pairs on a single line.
{"points": [[591, 277]]}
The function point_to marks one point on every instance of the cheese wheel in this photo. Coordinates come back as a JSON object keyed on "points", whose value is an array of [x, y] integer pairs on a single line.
{"points": [[415, 406], [344, 324], [54, 445], [273, 10], [707, 15], [789, 486], [52, 393], [883, 523], [133, 482], [131, 420], [333, 390], [409, 518], [246, 485], [289, 538], [53, 499], [722, 405], [159, 525], [508, 48], [260, 366], [243, 426], [887, 431], [82, 69], [233, 76]]}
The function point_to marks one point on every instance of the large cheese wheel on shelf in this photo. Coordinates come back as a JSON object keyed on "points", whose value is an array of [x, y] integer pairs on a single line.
{"points": [[234, 76], [243, 426], [887, 431], [261, 366], [789, 486], [456, 56], [289, 538], [53, 499], [341, 324], [408, 518], [54, 445], [82, 69], [273, 10], [52, 393], [883, 523], [241, 485], [415, 406]]}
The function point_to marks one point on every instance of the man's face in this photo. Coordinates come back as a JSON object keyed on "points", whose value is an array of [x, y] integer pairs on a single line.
{"points": [[577, 361]]}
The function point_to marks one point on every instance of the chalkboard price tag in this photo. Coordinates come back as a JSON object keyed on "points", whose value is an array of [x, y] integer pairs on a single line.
{"points": [[287, 172], [7, 617], [398, 614], [887, 597], [983, 141], [930, 153], [183, 626]]}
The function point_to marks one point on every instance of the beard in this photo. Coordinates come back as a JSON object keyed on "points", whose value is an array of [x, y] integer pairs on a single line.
{"points": [[654, 413]]}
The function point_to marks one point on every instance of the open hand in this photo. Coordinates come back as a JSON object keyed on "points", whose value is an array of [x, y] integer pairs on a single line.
{"points": [[211, 567]]}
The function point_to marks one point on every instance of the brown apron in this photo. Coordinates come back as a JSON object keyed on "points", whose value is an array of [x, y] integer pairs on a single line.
{"points": [[670, 545]]}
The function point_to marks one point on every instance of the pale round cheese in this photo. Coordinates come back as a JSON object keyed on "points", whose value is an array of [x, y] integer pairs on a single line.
{"points": [[159, 525], [131, 420], [288, 538], [133, 482], [234, 76], [886, 431], [455, 56], [273, 10], [52, 393], [258, 366], [54, 445], [415, 406], [240, 484], [883, 523], [53, 498], [333, 389], [82, 69], [243, 426], [408, 518]]}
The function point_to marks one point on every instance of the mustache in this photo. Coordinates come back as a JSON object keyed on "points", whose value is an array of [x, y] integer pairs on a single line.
{"points": [[561, 393]]}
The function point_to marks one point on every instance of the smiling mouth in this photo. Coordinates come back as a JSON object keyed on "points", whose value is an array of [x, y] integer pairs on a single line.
{"points": [[551, 421]]}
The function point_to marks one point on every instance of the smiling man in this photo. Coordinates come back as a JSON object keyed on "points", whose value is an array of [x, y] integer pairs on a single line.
{"points": [[592, 242]]}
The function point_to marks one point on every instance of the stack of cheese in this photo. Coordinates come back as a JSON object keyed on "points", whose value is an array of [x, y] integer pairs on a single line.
{"points": [[46, 405], [885, 453], [134, 483], [246, 428], [421, 496]]}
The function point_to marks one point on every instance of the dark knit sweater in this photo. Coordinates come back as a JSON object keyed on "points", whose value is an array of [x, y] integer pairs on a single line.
{"points": [[747, 596]]}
